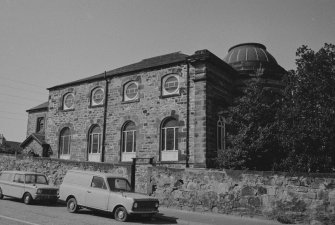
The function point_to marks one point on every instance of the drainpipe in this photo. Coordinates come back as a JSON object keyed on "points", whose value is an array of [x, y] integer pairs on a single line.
{"points": [[105, 119], [188, 114]]}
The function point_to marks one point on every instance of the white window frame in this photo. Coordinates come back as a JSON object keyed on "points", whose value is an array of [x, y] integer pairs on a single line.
{"points": [[93, 102], [62, 145], [125, 97], [164, 91], [90, 149], [65, 107]]}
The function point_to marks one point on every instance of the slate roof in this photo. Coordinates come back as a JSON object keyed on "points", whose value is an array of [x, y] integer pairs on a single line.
{"points": [[40, 139], [43, 106], [148, 63]]}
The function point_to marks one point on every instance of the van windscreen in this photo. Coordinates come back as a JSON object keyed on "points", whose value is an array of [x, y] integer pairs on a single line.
{"points": [[118, 184]]}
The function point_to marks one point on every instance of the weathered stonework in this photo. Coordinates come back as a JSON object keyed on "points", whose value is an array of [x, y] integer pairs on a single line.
{"points": [[195, 107], [303, 198]]}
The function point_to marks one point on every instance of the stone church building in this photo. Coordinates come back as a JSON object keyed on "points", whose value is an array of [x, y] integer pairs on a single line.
{"points": [[167, 107]]}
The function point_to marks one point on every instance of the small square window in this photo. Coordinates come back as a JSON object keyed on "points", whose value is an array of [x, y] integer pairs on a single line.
{"points": [[68, 101], [170, 85], [97, 96], [131, 91]]}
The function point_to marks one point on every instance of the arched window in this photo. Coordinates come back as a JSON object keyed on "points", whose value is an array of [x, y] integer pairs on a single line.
{"points": [[221, 133], [169, 140], [94, 144], [68, 101], [130, 91], [128, 141], [65, 143], [97, 96], [40, 125], [170, 85]]}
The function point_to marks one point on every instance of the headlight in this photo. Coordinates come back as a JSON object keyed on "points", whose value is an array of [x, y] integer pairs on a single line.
{"points": [[39, 191], [135, 205], [156, 204]]}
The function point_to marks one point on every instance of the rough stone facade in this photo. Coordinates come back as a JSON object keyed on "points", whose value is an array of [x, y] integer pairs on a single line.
{"points": [[288, 198], [204, 89]]}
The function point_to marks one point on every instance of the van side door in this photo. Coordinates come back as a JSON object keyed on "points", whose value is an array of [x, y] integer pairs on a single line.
{"points": [[17, 188], [97, 194]]}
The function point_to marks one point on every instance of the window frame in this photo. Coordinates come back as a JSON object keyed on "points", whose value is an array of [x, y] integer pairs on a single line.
{"points": [[38, 124], [93, 102], [91, 140], [165, 92], [62, 142], [125, 87], [125, 137], [65, 107]]}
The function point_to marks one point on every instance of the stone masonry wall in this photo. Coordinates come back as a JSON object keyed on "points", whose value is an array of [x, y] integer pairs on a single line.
{"points": [[56, 169], [32, 121], [300, 198], [147, 113]]}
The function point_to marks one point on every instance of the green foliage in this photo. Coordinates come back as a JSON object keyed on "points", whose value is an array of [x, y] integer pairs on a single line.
{"points": [[290, 130]]}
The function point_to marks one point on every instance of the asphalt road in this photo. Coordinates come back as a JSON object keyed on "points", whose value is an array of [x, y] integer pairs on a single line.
{"points": [[14, 212]]}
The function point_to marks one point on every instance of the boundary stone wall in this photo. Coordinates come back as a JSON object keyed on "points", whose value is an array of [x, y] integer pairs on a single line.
{"points": [[55, 169], [288, 198]]}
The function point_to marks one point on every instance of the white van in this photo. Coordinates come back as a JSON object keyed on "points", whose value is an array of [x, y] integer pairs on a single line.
{"points": [[103, 191], [28, 186]]}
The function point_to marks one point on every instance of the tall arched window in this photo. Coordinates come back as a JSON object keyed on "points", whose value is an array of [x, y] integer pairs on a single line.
{"points": [[128, 141], [64, 143], [94, 144], [169, 140], [221, 133]]}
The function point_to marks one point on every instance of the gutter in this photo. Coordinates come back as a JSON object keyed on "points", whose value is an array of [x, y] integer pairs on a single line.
{"points": [[105, 119], [187, 115]]}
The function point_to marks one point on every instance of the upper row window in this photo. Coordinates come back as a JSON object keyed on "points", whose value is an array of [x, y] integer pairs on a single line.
{"points": [[97, 96], [68, 101], [170, 86], [131, 91]]}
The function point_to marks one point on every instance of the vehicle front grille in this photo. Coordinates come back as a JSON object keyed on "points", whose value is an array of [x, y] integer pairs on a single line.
{"points": [[49, 192], [145, 206]]}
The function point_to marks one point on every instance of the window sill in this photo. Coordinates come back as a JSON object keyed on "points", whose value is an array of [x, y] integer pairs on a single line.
{"points": [[67, 110], [130, 101], [169, 95], [96, 106]]}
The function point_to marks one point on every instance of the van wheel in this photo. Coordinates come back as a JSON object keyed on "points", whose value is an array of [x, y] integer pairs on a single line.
{"points": [[27, 199], [1, 195], [72, 205], [121, 214]]}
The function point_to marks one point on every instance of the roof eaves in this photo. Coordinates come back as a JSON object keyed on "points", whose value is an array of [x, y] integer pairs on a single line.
{"points": [[119, 71]]}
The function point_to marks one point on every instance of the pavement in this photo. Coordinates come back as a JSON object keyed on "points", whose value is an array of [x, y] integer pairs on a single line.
{"points": [[198, 218]]}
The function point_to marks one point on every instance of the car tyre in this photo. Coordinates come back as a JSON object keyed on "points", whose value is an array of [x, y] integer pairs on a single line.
{"points": [[27, 199], [1, 195], [72, 205], [120, 214]]}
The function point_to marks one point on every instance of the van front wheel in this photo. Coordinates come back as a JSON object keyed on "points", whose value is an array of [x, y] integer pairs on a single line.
{"points": [[121, 214], [27, 199], [72, 205], [1, 195]]}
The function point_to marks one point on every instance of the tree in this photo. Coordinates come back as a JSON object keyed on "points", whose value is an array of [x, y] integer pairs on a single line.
{"points": [[252, 131], [291, 130], [308, 128]]}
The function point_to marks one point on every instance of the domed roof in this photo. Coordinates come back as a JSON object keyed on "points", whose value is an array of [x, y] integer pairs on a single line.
{"points": [[249, 52], [252, 58]]}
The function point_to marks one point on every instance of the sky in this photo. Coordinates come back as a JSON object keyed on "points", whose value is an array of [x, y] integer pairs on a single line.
{"points": [[44, 43]]}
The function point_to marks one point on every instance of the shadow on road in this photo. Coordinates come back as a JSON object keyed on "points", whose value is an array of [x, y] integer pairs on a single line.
{"points": [[158, 219], [35, 203]]}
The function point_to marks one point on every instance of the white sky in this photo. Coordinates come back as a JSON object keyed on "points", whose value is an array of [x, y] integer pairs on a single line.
{"points": [[46, 42]]}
